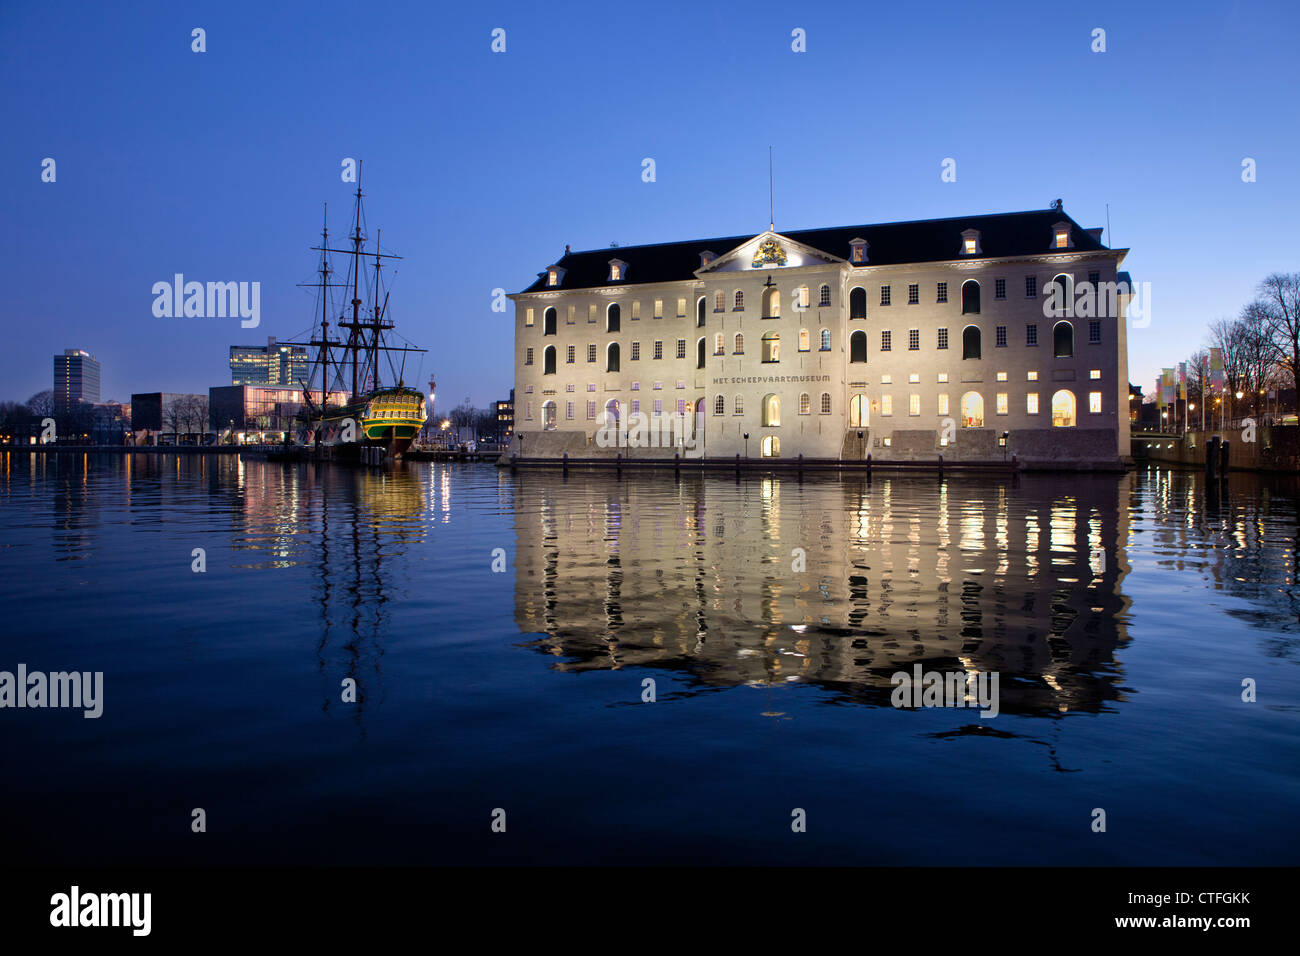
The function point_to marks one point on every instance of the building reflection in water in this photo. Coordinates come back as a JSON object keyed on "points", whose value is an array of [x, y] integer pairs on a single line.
{"points": [[702, 576]]}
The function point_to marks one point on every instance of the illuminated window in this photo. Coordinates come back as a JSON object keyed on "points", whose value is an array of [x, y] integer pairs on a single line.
{"points": [[970, 247], [681, 308], [1031, 403], [1094, 373], [636, 310], [771, 410], [772, 347], [1002, 376], [1063, 409], [1094, 402], [914, 378], [659, 307], [739, 301], [1031, 376], [886, 380], [771, 446], [591, 313], [617, 270], [552, 277], [826, 340], [857, 250], [719, 301], [886, 404], [739, 344], [914, 404], [1002, 403], [804, 341], [972, 410], [943, 403], [719, 346], [528, 318], [943, 377], [805, 403]]}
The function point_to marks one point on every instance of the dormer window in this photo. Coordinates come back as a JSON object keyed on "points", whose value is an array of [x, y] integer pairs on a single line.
{"points": [[706, 257], [1061, 236], [617, 270], [857, 251], [970, 242], [554, 275]]}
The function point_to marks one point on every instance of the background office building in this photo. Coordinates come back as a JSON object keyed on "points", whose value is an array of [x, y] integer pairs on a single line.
{"points": [[975, 338], [269, 364], [76, 378]]}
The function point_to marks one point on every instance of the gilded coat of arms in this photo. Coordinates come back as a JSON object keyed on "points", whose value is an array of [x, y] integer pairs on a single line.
{"points": [[769, 253]]}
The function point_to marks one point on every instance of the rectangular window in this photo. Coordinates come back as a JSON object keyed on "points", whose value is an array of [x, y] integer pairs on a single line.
{"points": [[659, 350], [528, 357], [1031, 334], [1031, 287], [1031, 376], [913, 340], [943, 377], [1031, 403], [636, 351], [636, 309], [884, 295], [528, 318], [570, 355], [886, 380], [1002, 376], [943, 403], [591, 387], [636, 406], [659, 407], [681, 406], [659, 308], [1094, 402], [1094, 373], [681, 348], [1002, 403], [569, 387], [1094, 331], [886, 404], [941, 294], [913, 294], [528, 411], [943, 338], [1000, 337], [885, 338], [568, 410], [1094, 278], [681, 308], [591, 410], [914, 379], [914, 404], [591, 353], [572, 312], [999, 288]]}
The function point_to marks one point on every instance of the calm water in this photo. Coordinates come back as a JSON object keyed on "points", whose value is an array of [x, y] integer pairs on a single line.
{"points": [[1121, 612]]}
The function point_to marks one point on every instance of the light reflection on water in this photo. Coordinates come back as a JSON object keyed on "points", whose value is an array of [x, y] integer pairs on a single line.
{"points": [[1126, 607]]}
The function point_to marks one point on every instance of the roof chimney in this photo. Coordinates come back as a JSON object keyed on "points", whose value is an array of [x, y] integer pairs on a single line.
{"points": [[566, 248]]}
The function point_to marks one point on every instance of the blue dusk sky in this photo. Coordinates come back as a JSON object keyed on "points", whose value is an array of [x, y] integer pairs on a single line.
{"points": [[481, 166]]}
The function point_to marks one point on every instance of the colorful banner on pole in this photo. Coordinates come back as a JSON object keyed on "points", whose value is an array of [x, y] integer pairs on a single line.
{"points": [[1182, 381], [1216, 370], [1167, 386]]}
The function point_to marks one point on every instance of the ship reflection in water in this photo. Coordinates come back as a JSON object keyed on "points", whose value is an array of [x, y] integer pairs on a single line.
{"points": [[839, 584]]}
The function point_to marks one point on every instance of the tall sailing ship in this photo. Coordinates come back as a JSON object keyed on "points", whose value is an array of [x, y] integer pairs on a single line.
{"points": [[369, 412]]}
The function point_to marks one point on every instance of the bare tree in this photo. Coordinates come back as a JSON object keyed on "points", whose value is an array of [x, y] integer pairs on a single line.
{"points": [[42, 403], [1278, 308], [174, 417]]}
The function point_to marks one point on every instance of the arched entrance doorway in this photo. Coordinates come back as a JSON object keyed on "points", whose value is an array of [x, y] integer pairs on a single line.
{"points": [[859, 412]]}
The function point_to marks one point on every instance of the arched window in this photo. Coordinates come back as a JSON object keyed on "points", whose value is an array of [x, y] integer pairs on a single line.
{"points": [[548, 322], [719, 346], [719, 301], [719, 405], [611, 357], [738, 406], [970, 297], [772, 303], [1063, 409], [548, 360], [699, 353], [613, 317], [801, 298], [611, 411], [548, 416], [970, 342], [805, 403], [1063, 340], [972, 410], [699, 313], [770, 447], [858, 346], [825, 298], [740, 344], [771, 409], [740, 300], [826, 403], [803, 340], [858, 303], [1060, 296], [772, 347], [826, 340]]}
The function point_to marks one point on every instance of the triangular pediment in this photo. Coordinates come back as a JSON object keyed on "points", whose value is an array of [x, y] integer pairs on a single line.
{"points": [[768, 250]]}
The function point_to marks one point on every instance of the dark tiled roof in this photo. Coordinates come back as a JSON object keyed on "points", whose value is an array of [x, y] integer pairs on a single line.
{"points": [[891, 243]]}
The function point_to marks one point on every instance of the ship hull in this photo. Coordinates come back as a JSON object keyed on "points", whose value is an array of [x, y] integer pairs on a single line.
{"points": [[389, 418]]}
